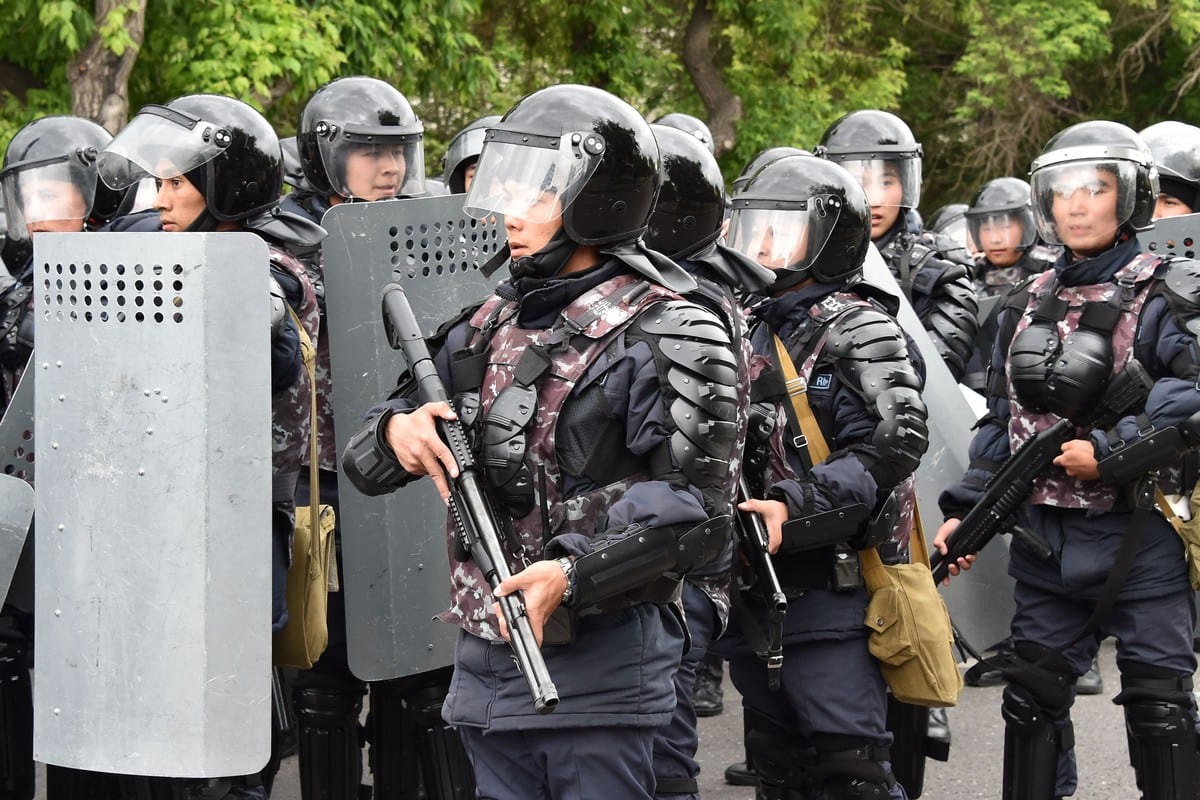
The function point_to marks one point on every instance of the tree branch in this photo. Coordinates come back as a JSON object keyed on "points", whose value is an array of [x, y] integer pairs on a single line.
{"points": [[99, 77], [723, 106]]}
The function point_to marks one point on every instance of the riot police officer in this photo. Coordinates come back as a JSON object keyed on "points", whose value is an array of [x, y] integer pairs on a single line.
{"points": [[359, 140], [949, 221], [880, 150], [1000, 221], [759, 161], [690, 125], [615, 449], [686, 225], [1064, 338], [458, 163], [49, 183], [1176, 150], [230, 180], [824, 731]]}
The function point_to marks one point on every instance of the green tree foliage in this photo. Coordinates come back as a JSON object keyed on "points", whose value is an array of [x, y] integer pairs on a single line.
{"points": [[984, 83]]}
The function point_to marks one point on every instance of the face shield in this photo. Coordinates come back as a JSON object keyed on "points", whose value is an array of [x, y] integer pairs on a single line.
{"points": [[532, 177], [783, 234], [53, 190], [1082, 198], [160, 142], [372, 162], [1012, 229], [887, 182]]}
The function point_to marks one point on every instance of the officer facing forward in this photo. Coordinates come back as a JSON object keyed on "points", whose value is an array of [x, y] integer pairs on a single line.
{"points": [[1064, 337], [880, 150], [823, 733], [609, 488]]}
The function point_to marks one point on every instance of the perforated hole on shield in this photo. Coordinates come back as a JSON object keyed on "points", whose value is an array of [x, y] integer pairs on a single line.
{"points": [[114, 293], [17, 458], [445, 247]]}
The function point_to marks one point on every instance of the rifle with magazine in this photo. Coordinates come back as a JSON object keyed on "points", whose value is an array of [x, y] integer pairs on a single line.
{"points": [[479, 531]]}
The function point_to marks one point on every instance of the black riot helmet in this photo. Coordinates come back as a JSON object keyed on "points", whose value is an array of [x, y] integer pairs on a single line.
{"points": [[950, 221], [997, 205], [49, 173], [464, 151], [223, 146], [1078, 158], [878, 148], [1176, 150], [761, 160], [363, 116], [691, 204], [691, 126], [574, 151], [805, 216]]}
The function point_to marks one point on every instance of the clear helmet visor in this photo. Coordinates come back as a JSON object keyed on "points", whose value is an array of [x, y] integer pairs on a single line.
{"points": [[1002, 229], [783, 238], [57, 190], [374, 164], [960, 232], [1082, 203], [534, 180], [888, 182], [160, 143]]}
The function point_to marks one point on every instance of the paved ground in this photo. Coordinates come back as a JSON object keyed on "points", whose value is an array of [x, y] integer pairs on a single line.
{"points": [[973, 771]]}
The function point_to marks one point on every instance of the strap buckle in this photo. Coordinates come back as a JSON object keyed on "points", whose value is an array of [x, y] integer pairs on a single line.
{"points": [[800, 441]]}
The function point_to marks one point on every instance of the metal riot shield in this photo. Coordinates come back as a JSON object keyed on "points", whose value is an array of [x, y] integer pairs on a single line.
{"points": [[1173, 236], [396, 576], [153, 439], [16, 466], [981, 603]]}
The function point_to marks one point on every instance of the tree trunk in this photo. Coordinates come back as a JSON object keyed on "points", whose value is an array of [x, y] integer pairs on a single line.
{"points": [[724, 107], [99, 77]]}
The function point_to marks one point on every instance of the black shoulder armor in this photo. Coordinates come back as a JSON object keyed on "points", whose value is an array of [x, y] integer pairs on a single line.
{"points": [[953, 322], [698, 368], [1180, 279], [870, 354]]}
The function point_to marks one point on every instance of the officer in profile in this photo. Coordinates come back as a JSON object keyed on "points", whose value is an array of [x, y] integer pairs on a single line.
{"points": [[879, 149], [1176, 150], [462, 155], [824, 731], [614, 489], [1064, 338], [232, 181]]}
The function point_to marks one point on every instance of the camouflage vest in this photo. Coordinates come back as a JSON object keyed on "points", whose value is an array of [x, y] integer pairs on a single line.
{"points": [[598, 318], [821, 319], [1057, 488], [290, 407]]}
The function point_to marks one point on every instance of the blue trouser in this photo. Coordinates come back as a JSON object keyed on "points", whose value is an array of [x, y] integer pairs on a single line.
{"points": [[827, 686], [676, 742], [562, 763], [1153, 630]]}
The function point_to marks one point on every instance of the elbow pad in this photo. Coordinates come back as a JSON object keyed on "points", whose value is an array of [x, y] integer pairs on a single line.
{"points": [[1156, 450], [645, 555], [369, 463]]}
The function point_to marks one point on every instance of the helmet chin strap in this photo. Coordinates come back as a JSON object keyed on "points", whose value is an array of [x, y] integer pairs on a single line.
{"points": [[545, 263]]}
